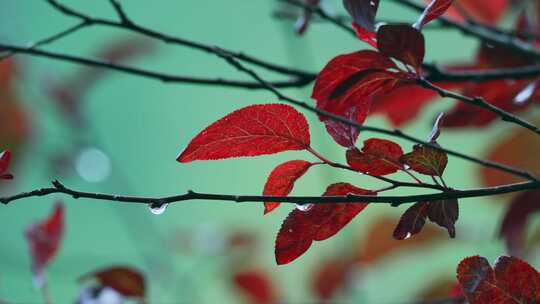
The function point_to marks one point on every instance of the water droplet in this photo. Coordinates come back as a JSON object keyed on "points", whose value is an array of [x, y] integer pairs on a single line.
{"points": [[406, 167], [304, 207], [157, 208], [408, 236], [93, 165], [525, 94]]}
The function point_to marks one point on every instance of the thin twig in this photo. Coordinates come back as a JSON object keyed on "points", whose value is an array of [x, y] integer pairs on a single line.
{"points": [[52, 38]]}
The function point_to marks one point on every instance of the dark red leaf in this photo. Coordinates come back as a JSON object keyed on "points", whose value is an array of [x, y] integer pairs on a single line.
{"points": [[44, 238], [127, 281], [412, 221], [5, 160], [257, 286], [516, 219], [319, 223], [363, 12], [250, 131], [445, 213], [435, 9], [403, 42], [512, 281], [426, 160], [348, 81], [343, 134], [378, 157], [281, 180]]}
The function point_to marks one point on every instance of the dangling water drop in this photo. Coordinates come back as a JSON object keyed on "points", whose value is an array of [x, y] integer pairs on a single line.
{"points": [[304, 207], [408, 236], [157, 208]]}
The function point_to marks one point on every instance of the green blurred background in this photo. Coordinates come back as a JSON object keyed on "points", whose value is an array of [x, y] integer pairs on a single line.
{"points": [[141, 125]]}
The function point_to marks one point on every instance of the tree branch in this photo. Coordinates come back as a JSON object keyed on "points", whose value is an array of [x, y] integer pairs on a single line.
{"points": [[480, 102], [59, 188], [168, 78], [395, 132]]}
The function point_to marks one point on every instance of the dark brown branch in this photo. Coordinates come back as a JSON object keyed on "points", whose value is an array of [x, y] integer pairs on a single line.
{"points": [[191, 195], [480, 102], [395, 132], [295, 82]]}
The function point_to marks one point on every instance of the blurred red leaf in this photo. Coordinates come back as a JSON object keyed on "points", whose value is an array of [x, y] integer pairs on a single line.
{"points": [[412, 221], [515, 220], [281, 180], [512, 281], [484, 11], [402, 42], [402, 104], [5, 160], [378, 157], [127, 281], [44, 238], [380, 243], [330, 276], [512, 149], [363, 12], [250, 131], [435, 9], [426, 160], [444, 213], [257, 286], [319, 223], [69, 93]]}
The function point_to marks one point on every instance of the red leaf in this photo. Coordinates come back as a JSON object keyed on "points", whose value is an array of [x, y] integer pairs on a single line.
{"points": [[365, 35], [512, 281], [44, 238], [445, 213], [127, 281], [257, 286], [250, 131], [412, 221], [343, 134], [5, 160], [403, 42], [348, 81], [516, 219], [281, 180], [378, 157], [363, 12], [319, 223], [426, 160], [435, 9]]}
